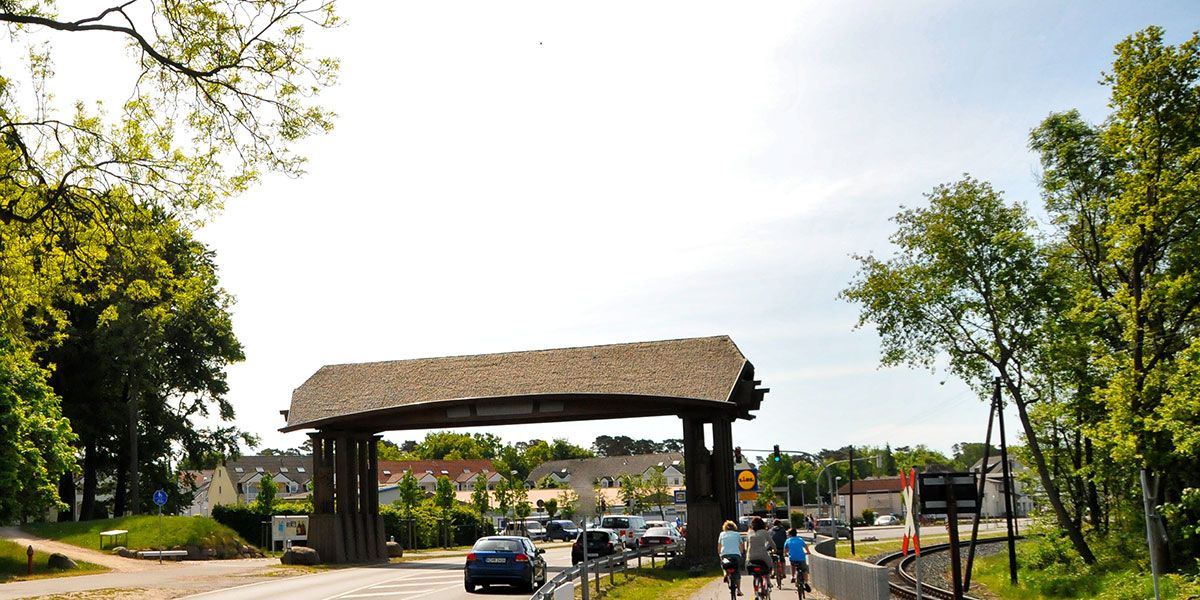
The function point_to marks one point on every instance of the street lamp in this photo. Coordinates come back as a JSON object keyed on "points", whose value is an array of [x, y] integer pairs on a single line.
{"points": [[837, 496], [789, 484]]}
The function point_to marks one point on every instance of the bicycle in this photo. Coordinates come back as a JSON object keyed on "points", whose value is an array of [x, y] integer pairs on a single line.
{"points": [[800, 572], [731, 574], [762, 580], [780, 565]]}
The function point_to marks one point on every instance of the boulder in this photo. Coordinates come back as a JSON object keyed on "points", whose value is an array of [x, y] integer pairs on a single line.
{"points": [[124, 552], [394, 550], [60, 561], [301, 555], [195, 553]]}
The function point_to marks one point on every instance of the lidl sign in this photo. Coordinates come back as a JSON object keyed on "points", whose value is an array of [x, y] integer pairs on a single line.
{"points": [[747, 480]]}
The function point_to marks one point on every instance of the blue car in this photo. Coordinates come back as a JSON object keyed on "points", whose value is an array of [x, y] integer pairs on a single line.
{"points": [[504, 559]]}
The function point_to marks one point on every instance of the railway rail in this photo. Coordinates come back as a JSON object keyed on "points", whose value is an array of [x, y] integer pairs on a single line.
{"points": [[904, 585]]}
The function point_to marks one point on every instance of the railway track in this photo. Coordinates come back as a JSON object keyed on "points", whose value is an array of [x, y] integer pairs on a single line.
{"points": [[904, 585]]}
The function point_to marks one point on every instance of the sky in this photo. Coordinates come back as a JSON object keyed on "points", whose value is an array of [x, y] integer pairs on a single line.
{"points": [[530, 175]]}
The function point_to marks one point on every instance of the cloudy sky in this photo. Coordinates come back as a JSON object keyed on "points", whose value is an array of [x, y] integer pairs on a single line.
{"points": [[518, 176]]}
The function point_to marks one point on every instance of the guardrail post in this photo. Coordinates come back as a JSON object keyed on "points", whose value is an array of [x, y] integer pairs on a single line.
{"points": [[611, 573]]}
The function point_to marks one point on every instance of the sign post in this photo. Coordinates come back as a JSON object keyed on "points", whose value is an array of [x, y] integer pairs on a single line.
{"points": [[950, 493], [160, 498], [747, 485]]}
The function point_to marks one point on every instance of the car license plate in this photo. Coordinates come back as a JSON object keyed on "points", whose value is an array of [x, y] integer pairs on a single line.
{"points": [[497, 559], [593, 555]]}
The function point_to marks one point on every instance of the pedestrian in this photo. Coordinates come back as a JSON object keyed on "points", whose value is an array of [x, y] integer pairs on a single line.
{"points": [[731, 547]]}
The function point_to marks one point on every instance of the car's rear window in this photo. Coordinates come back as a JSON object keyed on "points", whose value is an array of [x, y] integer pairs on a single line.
{"points": [[653, 531], [497, 546], [597, 536], [616, 523]]}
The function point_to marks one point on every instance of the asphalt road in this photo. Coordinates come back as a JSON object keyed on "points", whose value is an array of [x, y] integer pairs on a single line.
{"points": [[433, 578]]}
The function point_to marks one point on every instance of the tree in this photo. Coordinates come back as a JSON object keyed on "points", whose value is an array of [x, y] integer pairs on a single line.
{"points": [[264, 503], [551, 507], [34, 437], [212, 76], [1124, 197], [968, 281], [504, 496], [547, 482], [561, 449], [443, 494], [480, 498], [631, 491], [410, 492], [568, 503], [656, 491]]}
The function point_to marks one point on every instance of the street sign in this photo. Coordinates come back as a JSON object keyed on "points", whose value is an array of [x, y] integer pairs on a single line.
{"points": [[748, 496], [680, 496], [160, 497], [936, 492], [747, 480]]}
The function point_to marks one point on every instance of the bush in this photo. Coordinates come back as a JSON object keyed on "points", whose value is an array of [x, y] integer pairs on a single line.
{"points": [[247, 519]]}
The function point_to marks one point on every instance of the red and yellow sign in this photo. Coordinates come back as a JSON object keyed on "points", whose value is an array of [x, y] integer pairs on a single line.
{"points": [[747, 480]]}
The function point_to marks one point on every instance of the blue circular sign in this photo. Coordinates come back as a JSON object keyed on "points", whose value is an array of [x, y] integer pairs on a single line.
{"points": [[160, 497]]}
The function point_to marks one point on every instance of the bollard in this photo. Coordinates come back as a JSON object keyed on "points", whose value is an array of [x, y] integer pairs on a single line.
{"points": [[29, 567]]}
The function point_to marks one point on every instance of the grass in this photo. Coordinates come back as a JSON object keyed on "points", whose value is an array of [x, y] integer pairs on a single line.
{"points": [[649, 584], [14, 565], [143, 532]]}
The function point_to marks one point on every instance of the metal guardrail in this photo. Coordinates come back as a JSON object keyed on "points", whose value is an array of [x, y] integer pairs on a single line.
{"points": [[597, 568]]}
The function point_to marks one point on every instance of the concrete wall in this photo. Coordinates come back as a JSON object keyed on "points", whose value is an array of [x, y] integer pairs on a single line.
{"points": [[845, 579]]}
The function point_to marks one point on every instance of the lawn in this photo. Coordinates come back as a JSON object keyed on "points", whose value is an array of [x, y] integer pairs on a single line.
{"points": [[649, 584], [143, 532], [13, 564]]}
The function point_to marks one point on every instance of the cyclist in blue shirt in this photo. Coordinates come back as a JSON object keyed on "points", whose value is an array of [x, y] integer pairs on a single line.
{"points": [[730, 545], [797, 552]]}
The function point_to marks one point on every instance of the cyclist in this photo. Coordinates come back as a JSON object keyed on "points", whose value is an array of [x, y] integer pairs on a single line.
{"points": [[731, 546], [757, 545], [779, 536], [797, 551]]}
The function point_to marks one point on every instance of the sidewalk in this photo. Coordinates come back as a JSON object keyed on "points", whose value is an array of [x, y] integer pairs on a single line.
{"points": [[719, 590]]}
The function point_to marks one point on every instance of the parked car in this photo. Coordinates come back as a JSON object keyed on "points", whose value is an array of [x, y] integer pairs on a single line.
{"points": [[826, 527], [600, 542], [508, 560], [630, 527], [561, 530], [887, 520], [667, 538], [534, 530]]}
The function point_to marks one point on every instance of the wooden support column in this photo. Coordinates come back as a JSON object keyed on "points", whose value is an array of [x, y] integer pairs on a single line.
{"points": [[324, 528], [375, 522], [361, 532], [724, 489], [346, 505], [704, 514]]}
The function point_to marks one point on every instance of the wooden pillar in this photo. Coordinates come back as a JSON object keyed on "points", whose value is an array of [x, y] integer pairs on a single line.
{"points": [[375, 522], [345, 483], [325, 531], [724, 488], [704, 514], [361, 533]]}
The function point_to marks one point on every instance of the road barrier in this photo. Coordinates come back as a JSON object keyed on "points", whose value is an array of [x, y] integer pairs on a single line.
{"points": [[562, 586], [840, 578]]}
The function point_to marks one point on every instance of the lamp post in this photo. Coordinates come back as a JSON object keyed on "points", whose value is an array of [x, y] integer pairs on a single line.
{"points": [[837, 496], [789, 497]]}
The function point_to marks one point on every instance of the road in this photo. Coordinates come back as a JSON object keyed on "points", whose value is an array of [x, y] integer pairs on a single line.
{"points": [[433, 578]]}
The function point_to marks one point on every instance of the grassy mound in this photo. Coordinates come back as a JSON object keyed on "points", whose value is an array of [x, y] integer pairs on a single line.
{"points": [[13, 564], [143, 532]]}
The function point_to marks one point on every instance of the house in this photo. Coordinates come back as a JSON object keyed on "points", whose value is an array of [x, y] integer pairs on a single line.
{"points": [[462, 473], [585, 475], [880, 494], [992, 503]]}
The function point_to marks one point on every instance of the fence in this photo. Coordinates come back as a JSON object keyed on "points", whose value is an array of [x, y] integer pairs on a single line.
{"points": [[846, 579], [562, 586]]}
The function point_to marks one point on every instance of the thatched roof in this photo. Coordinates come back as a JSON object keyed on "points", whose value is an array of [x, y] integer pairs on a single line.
{"points": [[697, 369]]}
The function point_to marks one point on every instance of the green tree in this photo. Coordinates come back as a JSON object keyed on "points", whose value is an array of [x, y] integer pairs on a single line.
{"points": [[480, 498], [568, 503], [443, 494], [656, 491], [547, 482], [631, 491], [968, 281], [410, 492], [504, 496], [551, 507], [34, 437], [209, 76], [264, 503], [1123, 195]]}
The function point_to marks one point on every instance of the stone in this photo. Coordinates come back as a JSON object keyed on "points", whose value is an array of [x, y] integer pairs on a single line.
{"points": [[195, 553], [124, 552], [60, 561], [301, 555], [394, 550]]}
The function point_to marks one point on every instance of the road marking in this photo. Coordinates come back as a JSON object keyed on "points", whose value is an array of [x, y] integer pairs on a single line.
{"points": [[398, 585], [390, 594]]}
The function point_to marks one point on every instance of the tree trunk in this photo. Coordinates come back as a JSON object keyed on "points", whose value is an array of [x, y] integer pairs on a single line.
{"points": [[87, 509], [134, 492], [1060, 512], [66, 493], [1093, 499], [120, 494]]}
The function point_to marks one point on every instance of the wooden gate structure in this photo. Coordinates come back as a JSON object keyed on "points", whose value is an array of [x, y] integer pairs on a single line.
{"points": [[706, 382]]}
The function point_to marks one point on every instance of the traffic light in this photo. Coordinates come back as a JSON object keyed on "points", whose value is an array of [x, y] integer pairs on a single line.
{"points": [[737, 455], [777, 456]]}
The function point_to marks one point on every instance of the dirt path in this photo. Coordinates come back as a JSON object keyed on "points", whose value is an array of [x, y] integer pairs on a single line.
{"points": [[112, 561]]}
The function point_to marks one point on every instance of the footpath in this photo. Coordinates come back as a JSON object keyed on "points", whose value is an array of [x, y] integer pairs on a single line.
{"points": [[717, 589]]}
